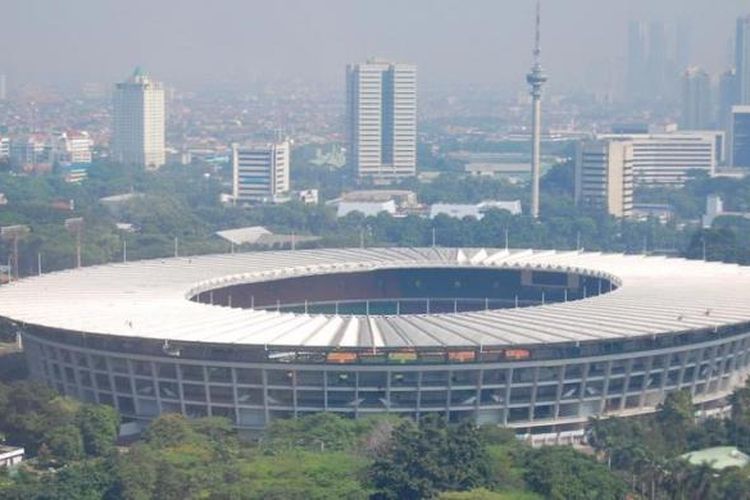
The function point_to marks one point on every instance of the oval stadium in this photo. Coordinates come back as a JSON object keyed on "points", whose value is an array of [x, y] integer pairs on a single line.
{"points": [[539, 341]]}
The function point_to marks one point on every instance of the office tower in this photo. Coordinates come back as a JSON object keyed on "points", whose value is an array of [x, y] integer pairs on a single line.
{"points": [[536, 79], [138, 136], [3, 87], [382, 119], [656, 53], [604, 176], [260, 172], [728, 96], [696, 100], [668, 159], [636, 59], [742, 59], [741, 136], [657, 58]]}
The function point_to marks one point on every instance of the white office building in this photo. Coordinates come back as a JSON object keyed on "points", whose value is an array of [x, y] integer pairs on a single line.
{"points": [[382, 119], [139, 121], [604, 176], [667, 159], [72, 154], [4, 148], [260, 171]]}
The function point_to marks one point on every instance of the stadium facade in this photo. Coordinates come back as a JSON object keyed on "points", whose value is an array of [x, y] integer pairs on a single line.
{"points": [[535, 340]]}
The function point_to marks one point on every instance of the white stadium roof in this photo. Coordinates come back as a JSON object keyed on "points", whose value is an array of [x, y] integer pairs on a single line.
{"points": [[149, 299]]}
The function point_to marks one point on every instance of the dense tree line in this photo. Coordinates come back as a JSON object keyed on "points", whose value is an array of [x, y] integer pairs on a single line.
{"points": [[73, 455], [183, 203], [646, 451]]}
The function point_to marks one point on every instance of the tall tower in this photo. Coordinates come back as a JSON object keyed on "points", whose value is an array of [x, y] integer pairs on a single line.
{"points": [[138, 136], [742, 59], [696, 99], [382, 119], [536, 79]]}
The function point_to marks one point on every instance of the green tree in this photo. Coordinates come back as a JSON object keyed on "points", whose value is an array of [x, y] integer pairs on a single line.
{"points": [[65, 442], [561, 473], [426, 458], [676, 419], [100, 426]]}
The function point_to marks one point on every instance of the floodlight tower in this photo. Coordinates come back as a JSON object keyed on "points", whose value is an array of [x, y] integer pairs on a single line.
{"points": [[536, 79]]}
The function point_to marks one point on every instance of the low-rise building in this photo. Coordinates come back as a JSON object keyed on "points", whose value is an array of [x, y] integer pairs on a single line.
{"points": [[260, 172], [367, 208], [31, 153], [11, 456], [476, 210]]}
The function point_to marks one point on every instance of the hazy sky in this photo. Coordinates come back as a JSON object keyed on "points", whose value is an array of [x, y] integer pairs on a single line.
{"points": [[189, 42]]}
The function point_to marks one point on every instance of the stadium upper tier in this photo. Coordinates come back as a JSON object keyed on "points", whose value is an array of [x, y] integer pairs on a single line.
{"points": [[170, 299]]}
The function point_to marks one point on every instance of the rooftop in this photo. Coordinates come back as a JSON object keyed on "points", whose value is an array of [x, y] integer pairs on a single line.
{"points": [[149, 299]]}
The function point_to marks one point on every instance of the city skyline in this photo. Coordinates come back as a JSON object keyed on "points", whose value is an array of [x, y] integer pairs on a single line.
{"points": [[455, 44]]}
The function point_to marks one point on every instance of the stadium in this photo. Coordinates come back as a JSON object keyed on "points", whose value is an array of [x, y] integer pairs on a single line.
{"points": [[539, 341]]}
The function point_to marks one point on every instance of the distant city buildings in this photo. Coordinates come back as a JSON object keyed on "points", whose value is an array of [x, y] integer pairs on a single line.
{"points": [[382, 119], [667, 159], [139, 117], [655, 52], [696, 113], [604, 176], [742, 59], [741, 137], [260, 172], [3, 87]]}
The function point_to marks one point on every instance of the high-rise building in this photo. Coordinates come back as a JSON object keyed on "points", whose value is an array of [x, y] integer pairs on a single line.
{"points": [[260, 172], [742, 59], [636, 58], [696, 100], [536, 79], [656, 52], [139, 116], [604, 176], [3, 87], [741, 136], [382, 119], [667, 159]]}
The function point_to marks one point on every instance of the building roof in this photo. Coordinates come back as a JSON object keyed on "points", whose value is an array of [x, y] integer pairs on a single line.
{"points": [[149, 299], [244, 235], [367, 208], [476, 210], [719, 457]]}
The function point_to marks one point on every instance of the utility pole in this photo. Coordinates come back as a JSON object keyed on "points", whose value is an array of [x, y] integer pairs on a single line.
{"points": [[14, 234], [176, 247], [75, 226]]}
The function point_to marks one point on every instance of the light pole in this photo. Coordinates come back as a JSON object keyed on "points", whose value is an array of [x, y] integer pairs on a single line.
{"points": [[75, 226], [14, 234]]}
